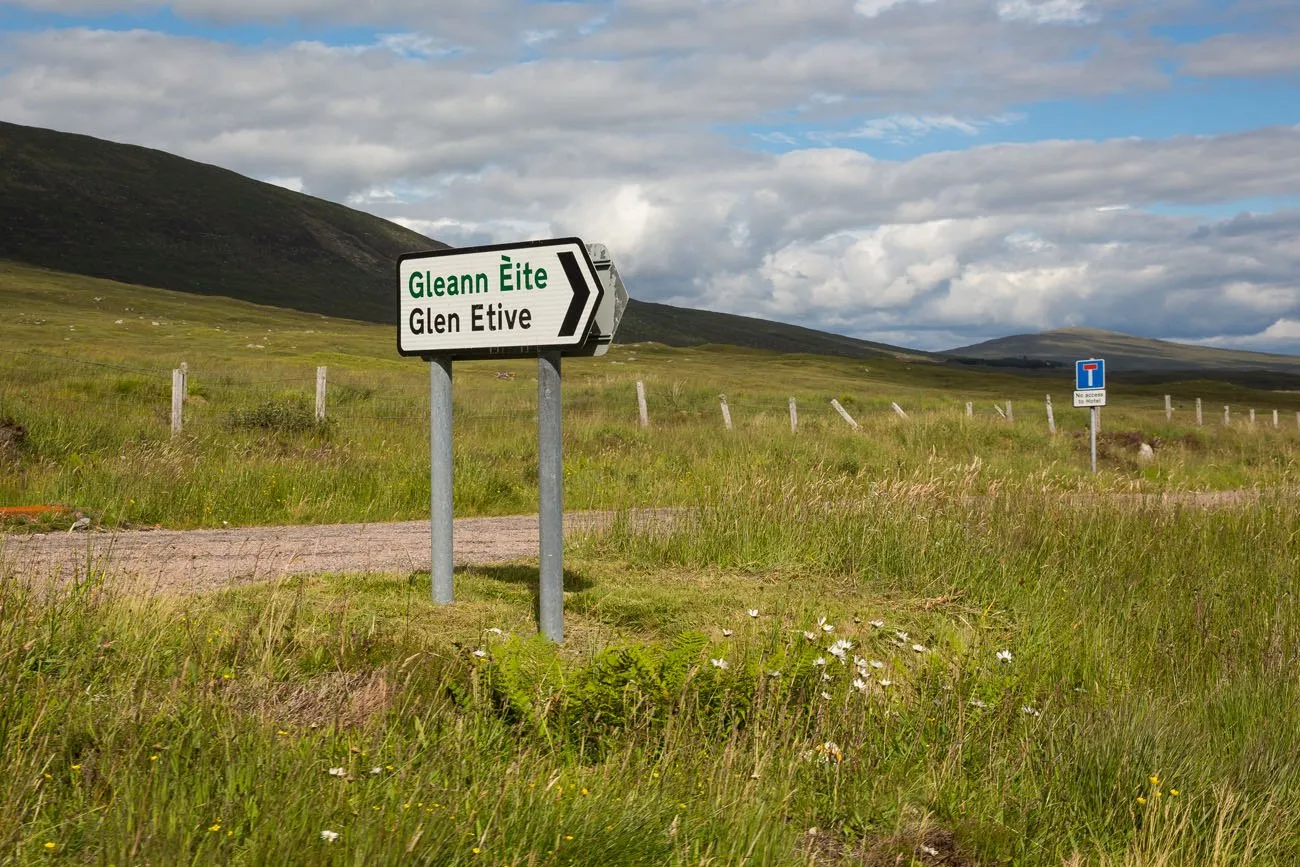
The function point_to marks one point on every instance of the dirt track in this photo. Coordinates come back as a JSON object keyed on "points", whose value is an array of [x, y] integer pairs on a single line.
{"points": [[194, 561]]}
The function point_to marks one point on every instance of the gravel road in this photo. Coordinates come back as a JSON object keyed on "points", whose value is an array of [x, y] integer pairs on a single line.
{"points": [[194, 561]]}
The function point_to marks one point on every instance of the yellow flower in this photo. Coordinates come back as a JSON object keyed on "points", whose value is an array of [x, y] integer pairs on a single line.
{"points": [[1174, 792], [215, 828], [50, 845], [584, 791], [1155, 779], [1141, 800], [476, 850], [76, 767], [153, 758], [568, 836], [282, 733]]}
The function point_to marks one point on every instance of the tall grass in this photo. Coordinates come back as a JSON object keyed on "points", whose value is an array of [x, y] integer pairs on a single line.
{"points": [[1148, 713]]}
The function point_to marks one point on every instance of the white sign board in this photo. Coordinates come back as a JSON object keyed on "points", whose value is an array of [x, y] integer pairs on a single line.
{"points": [[497, 301], [1090, 398]]}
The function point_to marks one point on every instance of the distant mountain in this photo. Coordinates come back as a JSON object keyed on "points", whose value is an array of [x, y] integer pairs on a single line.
{"points": [[88, 206], [1123, 353]]}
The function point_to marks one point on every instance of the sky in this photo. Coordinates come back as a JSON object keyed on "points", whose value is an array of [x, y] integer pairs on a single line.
{"points": [[928, 173]]}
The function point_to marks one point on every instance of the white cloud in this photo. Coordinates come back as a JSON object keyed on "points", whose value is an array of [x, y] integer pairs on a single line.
{"points": [[872, 8], [1046, 11], [609, 129], [294, 184]]}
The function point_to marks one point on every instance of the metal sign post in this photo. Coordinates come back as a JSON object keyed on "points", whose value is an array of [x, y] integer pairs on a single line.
{"points": [[440, 479], [550, 496], [536, 298], [1093, 412]]}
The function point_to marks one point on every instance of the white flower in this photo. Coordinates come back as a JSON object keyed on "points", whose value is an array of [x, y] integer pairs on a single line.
{"points": [[776, 672], [329, 836], [859, 662], [902, 636], [480, 653], [879, 624], [977, 703], [929, 850], [827, 627], [720, 663], [811, 636], [821, 660], [1027, 710], [1004, 656], [839, 648], [338, 772], [919, 648], [726, 633], [753, 612], [826, 696], [376, 771], [860, 685], [492, 630], [886, 683], [876, 663], [826, 677]]}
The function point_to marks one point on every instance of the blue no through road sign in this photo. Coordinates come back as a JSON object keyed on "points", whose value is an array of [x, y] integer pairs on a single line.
{"points": [[1090, 374]]}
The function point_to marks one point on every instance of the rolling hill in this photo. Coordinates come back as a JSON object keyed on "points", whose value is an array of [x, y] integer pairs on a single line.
{"points": [[83, 205], [1123, 353]]}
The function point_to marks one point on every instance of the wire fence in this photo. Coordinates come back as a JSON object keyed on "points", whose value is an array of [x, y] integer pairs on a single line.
{"points": [[212, 399]]}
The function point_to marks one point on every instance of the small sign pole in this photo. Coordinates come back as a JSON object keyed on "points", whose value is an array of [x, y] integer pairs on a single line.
{"points": [[1093, 412], [1198, 412], [550, 489], [440, 479], [1051, 419]]}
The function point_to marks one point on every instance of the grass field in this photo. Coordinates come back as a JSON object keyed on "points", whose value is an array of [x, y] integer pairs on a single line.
{"points": [[1029, 678], [85, 367]]}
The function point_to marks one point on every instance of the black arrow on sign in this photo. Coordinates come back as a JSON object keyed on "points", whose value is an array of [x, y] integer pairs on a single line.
{"points": [[580, 293]]}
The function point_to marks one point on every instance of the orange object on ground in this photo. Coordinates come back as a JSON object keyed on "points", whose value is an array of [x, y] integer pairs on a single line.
{"points": [[32, 511]]}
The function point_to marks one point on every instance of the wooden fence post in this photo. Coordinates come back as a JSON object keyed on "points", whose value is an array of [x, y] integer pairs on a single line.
{"points": [[1051, 418], [1275, 423], [1011, 415], [185, 381], [999, 410], [898, 409], [1198, 412], [844, 413], [178, 386], [970, 409], [321, 374], [1252, 418], [794, 417], [640, 404], [1169, 408], [1227, 416], [726, 411]]}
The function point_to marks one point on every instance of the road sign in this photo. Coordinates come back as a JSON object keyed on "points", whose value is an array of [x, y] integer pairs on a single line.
{"points": [[1090, 374], [497, 301], [1090, 398], [612, 304]]}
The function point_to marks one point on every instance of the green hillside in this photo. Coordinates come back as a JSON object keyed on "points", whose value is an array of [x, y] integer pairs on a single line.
{"points": [[1124, 353], [82, 205]]}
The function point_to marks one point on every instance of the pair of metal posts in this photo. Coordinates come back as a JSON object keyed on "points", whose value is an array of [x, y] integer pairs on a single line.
{"points": [[550, 463]]}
